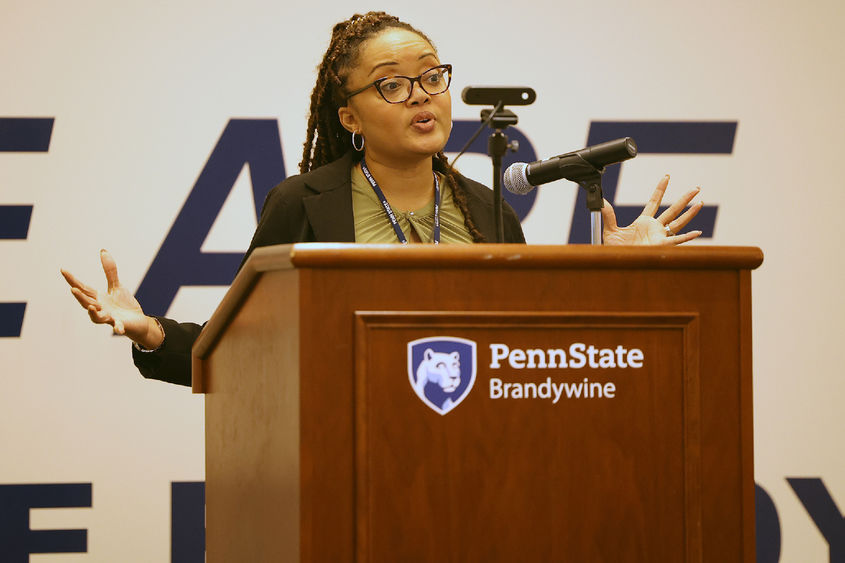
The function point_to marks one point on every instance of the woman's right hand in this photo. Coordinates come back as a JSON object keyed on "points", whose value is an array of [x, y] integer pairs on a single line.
{"points": [[116, 307]]}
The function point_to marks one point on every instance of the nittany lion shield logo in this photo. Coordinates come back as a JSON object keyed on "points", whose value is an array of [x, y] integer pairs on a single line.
{"points": [[442, 370]]}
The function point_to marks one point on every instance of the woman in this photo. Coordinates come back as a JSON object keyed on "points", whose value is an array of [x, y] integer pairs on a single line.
{"points": [[373, 170]]}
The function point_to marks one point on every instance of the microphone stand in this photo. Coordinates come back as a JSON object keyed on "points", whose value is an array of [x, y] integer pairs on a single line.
{"points": [[589, 177], [497, 146], [595, 201]]}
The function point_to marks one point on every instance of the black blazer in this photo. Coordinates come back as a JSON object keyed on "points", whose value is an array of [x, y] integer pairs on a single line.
{"points": [[312, 207], [317, 207]]}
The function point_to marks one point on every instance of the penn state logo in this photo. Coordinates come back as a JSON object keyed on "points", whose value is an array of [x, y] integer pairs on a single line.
{"points": [[442, 370]]}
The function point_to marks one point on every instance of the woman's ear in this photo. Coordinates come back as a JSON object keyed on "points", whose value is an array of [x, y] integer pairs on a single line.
{"points": [[348, 119]]}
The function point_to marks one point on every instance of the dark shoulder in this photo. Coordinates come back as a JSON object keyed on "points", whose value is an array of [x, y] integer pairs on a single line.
{"points": [[475, 189], [283, 217], [324, 178]]}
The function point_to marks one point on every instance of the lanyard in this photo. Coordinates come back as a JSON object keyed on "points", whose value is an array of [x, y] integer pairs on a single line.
{"points": [[390, 215]]}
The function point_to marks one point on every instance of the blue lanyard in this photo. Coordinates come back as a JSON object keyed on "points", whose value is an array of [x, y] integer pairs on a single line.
{"points": [[390, 215]]}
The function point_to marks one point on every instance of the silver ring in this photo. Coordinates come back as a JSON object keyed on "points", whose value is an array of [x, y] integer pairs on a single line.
{"points": [[669, 232]]}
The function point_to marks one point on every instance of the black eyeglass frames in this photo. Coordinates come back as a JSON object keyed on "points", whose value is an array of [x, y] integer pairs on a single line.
{"points": [[398, 89]]}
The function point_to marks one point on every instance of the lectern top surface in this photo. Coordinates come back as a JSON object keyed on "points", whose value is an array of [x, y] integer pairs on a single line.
{"points": [[509, 260], [344, 255]]}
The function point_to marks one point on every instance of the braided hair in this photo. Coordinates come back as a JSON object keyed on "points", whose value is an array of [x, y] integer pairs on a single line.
{"points": [[326, 139]]}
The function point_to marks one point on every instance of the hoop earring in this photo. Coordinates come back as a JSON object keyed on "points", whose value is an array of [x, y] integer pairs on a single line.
{"points": [[354, 145]]}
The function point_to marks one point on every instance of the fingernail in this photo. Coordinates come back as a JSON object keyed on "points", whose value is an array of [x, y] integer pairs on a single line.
{"points": [[102, 250], [666, 177]]}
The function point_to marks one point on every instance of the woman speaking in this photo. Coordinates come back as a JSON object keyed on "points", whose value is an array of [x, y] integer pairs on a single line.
{"points": [[372, 171]]}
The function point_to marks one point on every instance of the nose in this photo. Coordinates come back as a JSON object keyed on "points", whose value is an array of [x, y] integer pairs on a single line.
{"points": [[418, 95]]}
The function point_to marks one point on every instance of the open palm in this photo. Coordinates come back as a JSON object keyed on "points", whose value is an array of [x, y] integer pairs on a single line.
{"points": [[648, 229], [116, 306]]}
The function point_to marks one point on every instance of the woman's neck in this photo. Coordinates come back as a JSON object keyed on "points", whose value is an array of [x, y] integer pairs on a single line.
{"points": [[407, 186]]}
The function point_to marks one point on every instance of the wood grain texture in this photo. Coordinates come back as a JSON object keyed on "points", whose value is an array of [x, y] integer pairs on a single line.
{"points": [[339, 255], [334, 438], [479, 482], [746, 415], [252, 430]]}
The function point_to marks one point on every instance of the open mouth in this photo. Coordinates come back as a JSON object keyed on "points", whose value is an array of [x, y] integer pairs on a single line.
{"points": [[423, 117]]}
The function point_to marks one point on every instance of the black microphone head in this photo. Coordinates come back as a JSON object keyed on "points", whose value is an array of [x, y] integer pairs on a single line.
{"points": [[609, 152], [630, 146], [516, 179]]}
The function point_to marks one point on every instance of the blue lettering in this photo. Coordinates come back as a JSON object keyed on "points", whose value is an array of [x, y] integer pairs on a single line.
{"points": [[822, 509], [768, 527], [19, 134], [18, 541], [25, 134], [179, 261], [255, 142], [14, 221], [11, 319], [187, 522]]}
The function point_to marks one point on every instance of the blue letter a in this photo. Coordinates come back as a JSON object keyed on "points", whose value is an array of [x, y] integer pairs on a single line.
{"points": [[180, 261]]}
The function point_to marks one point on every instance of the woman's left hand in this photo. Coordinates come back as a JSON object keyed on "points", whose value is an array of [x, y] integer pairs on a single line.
{"points": [[646, 229]]}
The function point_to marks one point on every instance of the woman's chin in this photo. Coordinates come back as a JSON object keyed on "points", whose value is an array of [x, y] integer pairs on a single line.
{"points": [[415, 148], [430, 144]]}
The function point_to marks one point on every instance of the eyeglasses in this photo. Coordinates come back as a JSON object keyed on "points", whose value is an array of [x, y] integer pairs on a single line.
{"points": [[398, 89]]}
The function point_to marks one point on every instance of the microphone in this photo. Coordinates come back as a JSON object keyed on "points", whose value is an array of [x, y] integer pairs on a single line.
{"points": [[521, 178]]}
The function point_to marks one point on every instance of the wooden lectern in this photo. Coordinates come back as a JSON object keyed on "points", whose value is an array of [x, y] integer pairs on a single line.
{"points": [[597, 400]]}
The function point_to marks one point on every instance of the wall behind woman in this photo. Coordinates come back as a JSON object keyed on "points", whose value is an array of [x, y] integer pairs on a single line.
{"points": [[134, 96]]}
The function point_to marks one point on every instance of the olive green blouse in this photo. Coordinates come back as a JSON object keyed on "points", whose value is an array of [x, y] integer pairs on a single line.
{"points": [[372, 224]]}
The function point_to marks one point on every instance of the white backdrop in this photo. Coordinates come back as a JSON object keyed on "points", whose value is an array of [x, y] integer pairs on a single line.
{"points": [[141, 91]]}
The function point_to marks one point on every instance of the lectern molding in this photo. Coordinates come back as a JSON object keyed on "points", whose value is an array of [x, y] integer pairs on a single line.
{"points": [[457, 322]]}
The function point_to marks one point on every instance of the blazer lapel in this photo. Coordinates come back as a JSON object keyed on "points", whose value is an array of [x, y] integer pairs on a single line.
{"points": [[329, 210]]}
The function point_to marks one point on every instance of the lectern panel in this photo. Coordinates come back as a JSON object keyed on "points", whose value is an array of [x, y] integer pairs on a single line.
{"points": [[481, 403], [589, 423]]}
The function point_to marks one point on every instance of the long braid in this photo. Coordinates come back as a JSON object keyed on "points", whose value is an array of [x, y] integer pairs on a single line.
{"points": [[459, 197], [319, 128]]}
